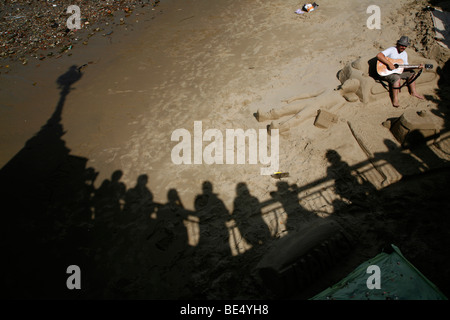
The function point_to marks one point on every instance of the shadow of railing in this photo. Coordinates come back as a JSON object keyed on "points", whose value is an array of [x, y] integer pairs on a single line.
{"points": [[321, 198]]}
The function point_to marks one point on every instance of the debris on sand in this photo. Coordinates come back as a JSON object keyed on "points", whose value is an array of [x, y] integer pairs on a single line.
{"points": [[39, 28]]}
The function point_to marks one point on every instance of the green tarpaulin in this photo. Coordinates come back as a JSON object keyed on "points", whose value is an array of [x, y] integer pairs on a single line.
{"points": [[384, 277]]}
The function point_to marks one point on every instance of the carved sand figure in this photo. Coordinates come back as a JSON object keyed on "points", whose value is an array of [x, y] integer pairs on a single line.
{"points": [[363, 70], [310, 103], [358, 83], [302, 110]]}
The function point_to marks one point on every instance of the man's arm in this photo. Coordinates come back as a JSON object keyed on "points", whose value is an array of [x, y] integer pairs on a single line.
{"points": [[381, 57]]}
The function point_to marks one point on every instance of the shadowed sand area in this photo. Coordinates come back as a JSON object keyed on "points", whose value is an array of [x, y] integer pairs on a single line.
{"points": [[87, 175]]}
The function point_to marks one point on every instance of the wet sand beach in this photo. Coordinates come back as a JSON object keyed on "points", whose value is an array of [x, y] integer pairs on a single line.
{"points": [[86, 144]]}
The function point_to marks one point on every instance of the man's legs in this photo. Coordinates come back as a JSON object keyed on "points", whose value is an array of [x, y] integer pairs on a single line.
{"points": [[412, 89], [394, 93], [395, 82]]}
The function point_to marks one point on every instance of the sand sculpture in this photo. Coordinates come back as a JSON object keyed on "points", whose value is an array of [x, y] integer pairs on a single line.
{"points": [[359, 83], [301, 110]]}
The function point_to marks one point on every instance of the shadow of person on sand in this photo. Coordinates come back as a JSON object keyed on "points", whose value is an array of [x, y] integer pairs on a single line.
{"points": [[139, 203], [418, 146], [403, 163], [248, 216], [128, 229], [216, 271], [153, 242], [108, 200], [213, 216], [346, 185], [297, 215], [171, 253], [171, 237]]}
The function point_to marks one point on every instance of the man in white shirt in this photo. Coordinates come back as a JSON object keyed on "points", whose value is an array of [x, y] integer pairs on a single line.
{"points": [[398, 52]]}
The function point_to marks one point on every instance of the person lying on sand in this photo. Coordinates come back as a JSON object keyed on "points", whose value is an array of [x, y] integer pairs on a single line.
{"points": [[398, 52]]}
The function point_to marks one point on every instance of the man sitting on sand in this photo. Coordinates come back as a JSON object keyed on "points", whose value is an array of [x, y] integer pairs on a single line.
{"points": [[398, 52]]}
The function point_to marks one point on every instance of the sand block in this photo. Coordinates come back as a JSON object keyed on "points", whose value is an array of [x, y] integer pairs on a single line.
{"points": [[413, 126], [325, 119]]}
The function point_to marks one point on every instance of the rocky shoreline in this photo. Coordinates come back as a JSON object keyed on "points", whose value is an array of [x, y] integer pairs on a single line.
{"points": [[38, 29]]}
